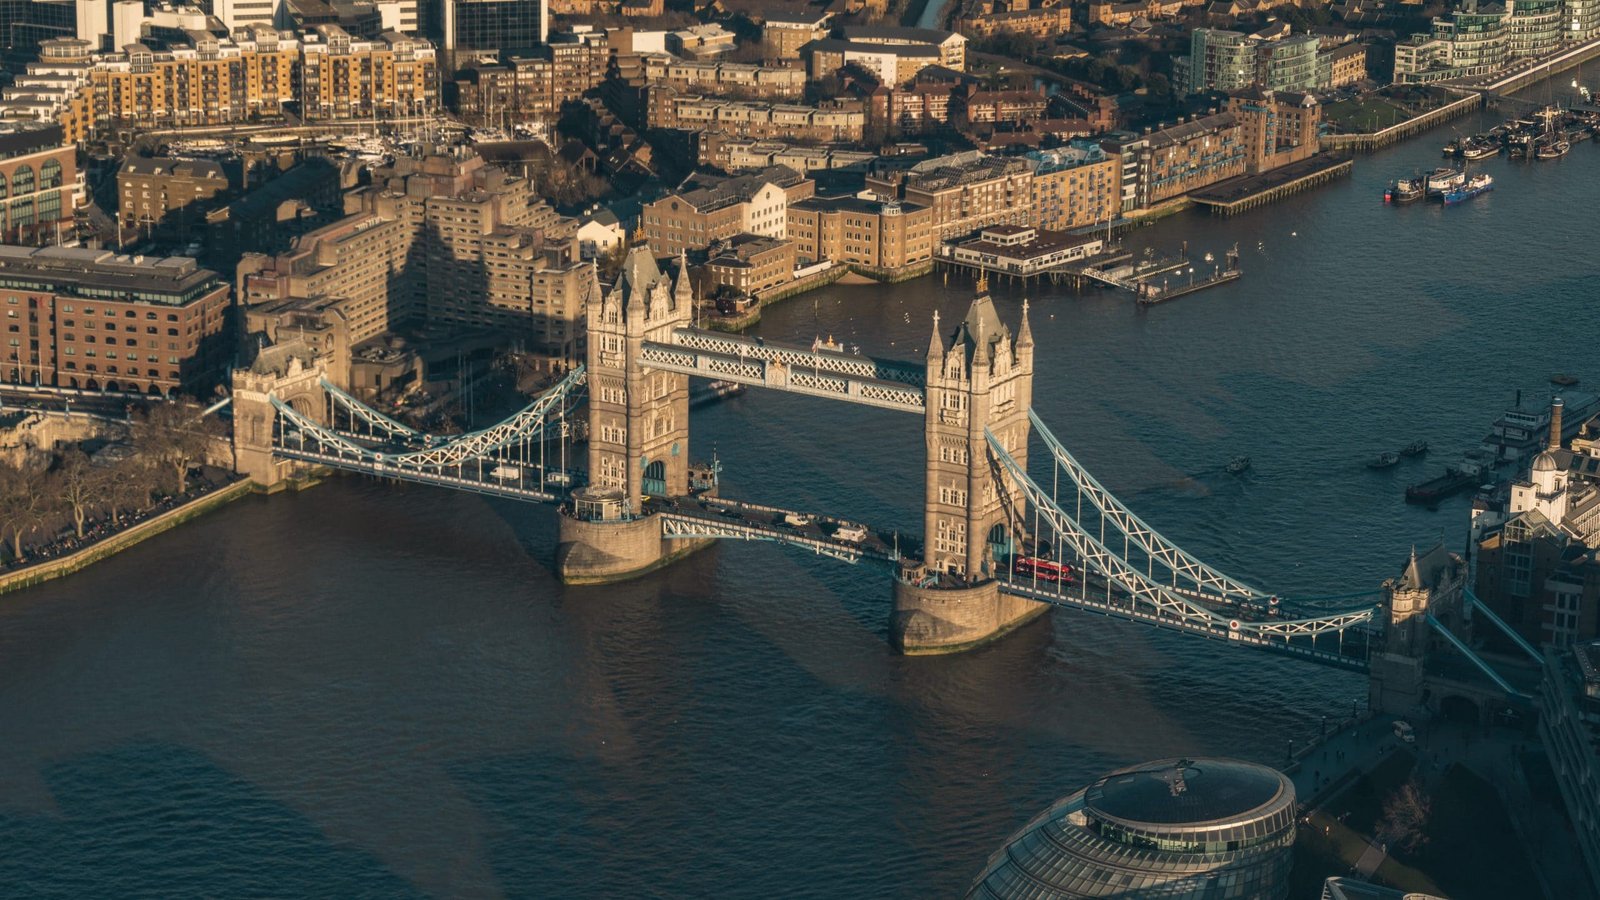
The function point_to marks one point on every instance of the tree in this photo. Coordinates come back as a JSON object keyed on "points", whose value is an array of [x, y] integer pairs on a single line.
{"points": [[1405, 817], [78, 486], [125, 485], [177, 436], [24, 503]]}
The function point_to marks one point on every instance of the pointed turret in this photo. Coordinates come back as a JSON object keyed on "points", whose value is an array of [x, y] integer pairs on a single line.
{"points": [[1411, 579], [683, 290], [1024, 331], [935, 343]]}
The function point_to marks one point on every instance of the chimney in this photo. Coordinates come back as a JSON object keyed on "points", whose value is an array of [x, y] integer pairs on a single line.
{"points": [[1555, 423]]}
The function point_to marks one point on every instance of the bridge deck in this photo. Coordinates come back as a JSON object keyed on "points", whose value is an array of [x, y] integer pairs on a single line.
{"points": [[815, 371], [1087, 601], [717, 517]]}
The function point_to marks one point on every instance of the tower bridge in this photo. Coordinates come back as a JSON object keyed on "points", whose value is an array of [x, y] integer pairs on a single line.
{"points": [[997, 548]]}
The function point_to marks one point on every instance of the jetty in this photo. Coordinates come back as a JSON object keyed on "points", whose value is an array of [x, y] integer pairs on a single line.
{"points": [[1250, 191]]}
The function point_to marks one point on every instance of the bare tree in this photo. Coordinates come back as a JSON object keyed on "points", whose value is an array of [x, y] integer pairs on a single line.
{"points": [[175, 435], [24, 504], [78, 486], [125, 487], [1405, 817]]}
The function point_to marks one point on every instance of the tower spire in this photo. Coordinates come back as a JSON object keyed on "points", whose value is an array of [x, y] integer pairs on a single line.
{"points": [[935, 343], [1024, 331]]}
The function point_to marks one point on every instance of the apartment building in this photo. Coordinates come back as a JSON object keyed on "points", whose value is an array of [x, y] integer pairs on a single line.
{"points": [[741, 79], [1042, 23], [40, 186], [732, 154], [1164, 164], [1277, 127], [168, 194], [745, 265], [218, 81], [707, 208], [887, 236], [95, 320], [966, 191], [1075, 186], [828, 122], [952, 47]]}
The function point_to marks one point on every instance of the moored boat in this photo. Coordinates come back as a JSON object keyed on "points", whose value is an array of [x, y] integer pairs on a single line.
{"points": [[1475, 150], [1403, 190], [1444, 179], [1552, 150], [1475, 185], [1415, 448]]}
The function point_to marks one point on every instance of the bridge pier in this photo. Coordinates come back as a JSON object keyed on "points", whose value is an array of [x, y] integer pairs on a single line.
{"points": [[596, 544], [934, 620]]}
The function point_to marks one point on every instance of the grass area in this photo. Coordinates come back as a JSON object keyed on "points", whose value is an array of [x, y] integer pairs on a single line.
{"points": [[1364, 115]]}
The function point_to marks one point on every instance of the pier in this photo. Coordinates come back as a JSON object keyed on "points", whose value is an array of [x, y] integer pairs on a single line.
{"points": [[1250, 191]]}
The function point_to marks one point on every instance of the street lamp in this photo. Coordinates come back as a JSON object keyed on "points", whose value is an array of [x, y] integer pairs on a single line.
{"points": [[1324, 729]]}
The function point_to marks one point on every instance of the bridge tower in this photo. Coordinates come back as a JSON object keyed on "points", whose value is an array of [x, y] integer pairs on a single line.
{"points": [[1431, 584], [979, 377], [638, 427], [291, 372]]}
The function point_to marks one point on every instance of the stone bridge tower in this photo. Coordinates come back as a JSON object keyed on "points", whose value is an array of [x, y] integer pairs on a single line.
{"points": [[638, 417], [979, 377], [638, 428], [1431, 584], [291, 372]]}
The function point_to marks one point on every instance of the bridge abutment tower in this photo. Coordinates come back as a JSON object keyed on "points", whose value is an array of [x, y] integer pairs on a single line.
{"points": [[1431, 584], [638, 429], [979, 379], [290, 372]]}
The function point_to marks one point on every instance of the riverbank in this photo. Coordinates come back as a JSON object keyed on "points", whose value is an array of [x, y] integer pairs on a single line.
{"points": [[113, 544]]}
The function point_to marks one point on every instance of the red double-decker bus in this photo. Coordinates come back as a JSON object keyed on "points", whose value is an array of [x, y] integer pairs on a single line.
{"points": [[1044, 570]]}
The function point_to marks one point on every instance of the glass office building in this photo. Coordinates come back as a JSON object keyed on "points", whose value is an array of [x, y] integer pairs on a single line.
{"points": [[1206, 829]]}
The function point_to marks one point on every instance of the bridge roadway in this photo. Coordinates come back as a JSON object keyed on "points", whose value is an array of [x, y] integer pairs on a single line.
{"points": [[1093, 596], [816, 370], [705, 516]]}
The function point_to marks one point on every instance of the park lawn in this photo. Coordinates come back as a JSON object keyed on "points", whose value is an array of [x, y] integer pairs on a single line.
{"points": [[1364, 115]]}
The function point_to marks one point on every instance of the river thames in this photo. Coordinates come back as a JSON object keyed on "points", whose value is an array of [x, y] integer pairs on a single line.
{"points": [[373, 691]]}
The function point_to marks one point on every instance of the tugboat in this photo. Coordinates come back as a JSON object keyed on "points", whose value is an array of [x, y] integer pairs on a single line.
{"points": [[1415, 448], [1477, 184], [1403, 190], [1238, 465], [1384, 460], [1444, 179]]}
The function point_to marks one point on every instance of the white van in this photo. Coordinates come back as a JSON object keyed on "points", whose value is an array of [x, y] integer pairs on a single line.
{"points": [[1405, 732], [852, 533]]}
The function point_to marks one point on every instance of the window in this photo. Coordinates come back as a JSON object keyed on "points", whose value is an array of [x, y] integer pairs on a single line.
{"points": [[22, 180]]}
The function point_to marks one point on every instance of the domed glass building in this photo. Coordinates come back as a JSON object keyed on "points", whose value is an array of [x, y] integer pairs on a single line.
{"points": [[1200, 828]]}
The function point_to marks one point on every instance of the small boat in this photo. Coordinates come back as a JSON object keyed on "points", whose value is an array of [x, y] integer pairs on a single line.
{"points": [[1554, 150], [1383, 460], [1476, 151], [1415, 448], [1403, 190], [1453, 149], [1477, 184], [1238, 464], [1444, 179], [1564, 380]]}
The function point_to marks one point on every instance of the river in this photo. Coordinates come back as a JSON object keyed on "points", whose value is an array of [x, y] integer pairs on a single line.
{"points": [[365, 690]]}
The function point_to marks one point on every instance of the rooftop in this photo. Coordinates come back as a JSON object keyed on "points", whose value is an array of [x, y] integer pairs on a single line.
{"points": [[1187, 792], [104, 273]]}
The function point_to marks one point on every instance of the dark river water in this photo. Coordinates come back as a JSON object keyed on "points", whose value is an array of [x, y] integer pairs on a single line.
{"points": [[375, 691]]}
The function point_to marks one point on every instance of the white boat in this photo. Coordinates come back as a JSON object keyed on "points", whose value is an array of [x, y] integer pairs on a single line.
{"points": [[1444, 179]]}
